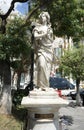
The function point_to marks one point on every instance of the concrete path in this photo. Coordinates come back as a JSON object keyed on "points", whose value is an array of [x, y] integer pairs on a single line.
{"points": [[74, 117]]}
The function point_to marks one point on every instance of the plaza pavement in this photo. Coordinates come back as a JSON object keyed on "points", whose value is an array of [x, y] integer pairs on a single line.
{"points": [[73, 117]]}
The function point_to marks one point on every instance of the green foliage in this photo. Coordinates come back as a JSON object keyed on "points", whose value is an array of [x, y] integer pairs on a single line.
{"points": [[15, 44], [79, 23], [18, 39], [67, 17], [63, 12], [18, 95], [73, 62]]}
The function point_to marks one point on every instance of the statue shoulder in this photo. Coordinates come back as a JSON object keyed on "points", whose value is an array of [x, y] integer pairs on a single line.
{"points": [[41, 28]]}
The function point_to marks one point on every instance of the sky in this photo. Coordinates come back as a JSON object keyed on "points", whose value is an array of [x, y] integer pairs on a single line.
{"points": [[21, 8]]}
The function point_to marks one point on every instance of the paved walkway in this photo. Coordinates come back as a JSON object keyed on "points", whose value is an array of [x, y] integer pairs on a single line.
{"points": [[74, 118]]}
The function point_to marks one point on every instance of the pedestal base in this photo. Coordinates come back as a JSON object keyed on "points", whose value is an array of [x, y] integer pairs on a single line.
{"points": [[43, 125], [43, 109]]}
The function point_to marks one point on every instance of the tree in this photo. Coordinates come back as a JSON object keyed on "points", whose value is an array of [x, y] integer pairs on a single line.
{"points": [[13, 45], [73, 63]]}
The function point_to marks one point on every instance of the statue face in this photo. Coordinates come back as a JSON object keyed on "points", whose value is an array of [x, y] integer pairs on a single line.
{"points": [[43, 18]]}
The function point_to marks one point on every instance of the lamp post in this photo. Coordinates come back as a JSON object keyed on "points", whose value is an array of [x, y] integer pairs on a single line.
{"points": [[32, 61], [31, 84]]}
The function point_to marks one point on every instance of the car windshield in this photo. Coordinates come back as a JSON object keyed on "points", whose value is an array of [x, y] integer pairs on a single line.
{"points": [[60, 83]]}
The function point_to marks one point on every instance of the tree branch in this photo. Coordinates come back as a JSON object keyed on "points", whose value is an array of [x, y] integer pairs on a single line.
{"points": [[4, 16]]}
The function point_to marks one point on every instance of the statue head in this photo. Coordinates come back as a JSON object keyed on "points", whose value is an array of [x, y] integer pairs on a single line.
{"points": [[44, 17]]}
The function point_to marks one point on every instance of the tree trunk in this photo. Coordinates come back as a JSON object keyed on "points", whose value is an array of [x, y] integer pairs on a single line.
{"points": [[5, 99], [78, 98]]}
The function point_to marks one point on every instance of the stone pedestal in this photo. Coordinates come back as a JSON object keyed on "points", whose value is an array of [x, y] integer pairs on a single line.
{"points": [[43, 109]]}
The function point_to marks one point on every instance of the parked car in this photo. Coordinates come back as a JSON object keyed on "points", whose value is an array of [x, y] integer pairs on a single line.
{"points": [[73, 94], [60, 83]]}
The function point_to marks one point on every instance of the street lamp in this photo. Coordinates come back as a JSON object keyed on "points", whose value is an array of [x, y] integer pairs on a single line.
{"points": [[31, 83], [32, 62]]}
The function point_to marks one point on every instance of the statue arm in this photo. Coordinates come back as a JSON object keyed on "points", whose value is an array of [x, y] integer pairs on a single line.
{"points": [[39, 34]]}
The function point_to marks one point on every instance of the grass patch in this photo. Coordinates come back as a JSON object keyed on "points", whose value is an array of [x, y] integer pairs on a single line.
{"points": [[15, 121]]}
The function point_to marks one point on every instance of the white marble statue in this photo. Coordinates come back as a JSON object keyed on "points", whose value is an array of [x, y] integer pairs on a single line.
{"points": [[43, 36]]}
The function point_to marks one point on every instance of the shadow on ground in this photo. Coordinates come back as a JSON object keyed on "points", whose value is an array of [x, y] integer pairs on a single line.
{"points": [[19, 113]]}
